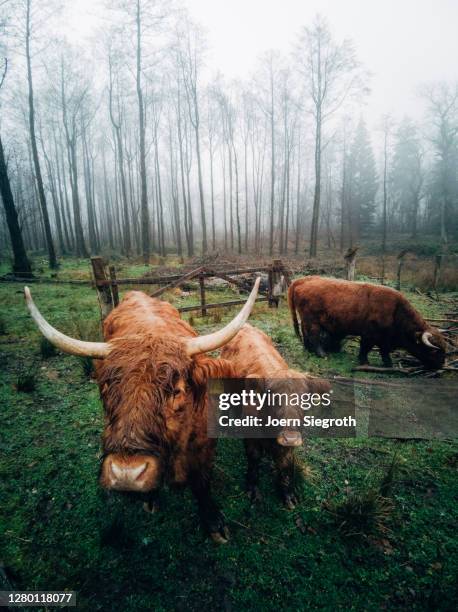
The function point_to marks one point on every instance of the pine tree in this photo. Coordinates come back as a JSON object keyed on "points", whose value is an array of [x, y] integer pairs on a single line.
{"points": [[407, 175], [362, 177]]}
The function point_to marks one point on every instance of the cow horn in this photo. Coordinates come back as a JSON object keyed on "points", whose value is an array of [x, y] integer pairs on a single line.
{"points": [[425, 339], [211, 342], [61, 341]]}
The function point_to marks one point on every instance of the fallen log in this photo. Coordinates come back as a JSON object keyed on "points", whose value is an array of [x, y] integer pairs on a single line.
{"points": [[383, 370], [442, 320]]}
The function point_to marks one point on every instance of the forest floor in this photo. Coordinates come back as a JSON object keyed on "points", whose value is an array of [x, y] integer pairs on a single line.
{"points": [[57, 530]]}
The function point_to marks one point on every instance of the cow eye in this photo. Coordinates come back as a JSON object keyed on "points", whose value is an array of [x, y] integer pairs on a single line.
{"points": [[176, 392]]}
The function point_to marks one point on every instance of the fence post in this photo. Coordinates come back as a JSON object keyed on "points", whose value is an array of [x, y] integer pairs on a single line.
{"points": [[103, 289], [273, 278], [437, 270], [114, 286], [350, 260], [401, 256], [202, 293]]}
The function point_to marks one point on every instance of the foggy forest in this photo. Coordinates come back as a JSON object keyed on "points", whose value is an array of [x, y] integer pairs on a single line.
{"points": [[132, 146]]}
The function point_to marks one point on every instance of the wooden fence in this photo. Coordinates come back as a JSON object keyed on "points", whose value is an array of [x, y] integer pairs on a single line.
{"points": [[107, 284]]}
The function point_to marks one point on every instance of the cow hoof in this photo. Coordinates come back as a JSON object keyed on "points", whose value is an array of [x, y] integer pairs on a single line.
{"points": [[290, 501], [151, 507], [254, 494], [217, 529], [221, 536]]}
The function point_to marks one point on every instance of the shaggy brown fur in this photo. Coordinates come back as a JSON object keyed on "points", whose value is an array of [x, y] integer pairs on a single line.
{"points": [[252, 354], [331, 309], [155, 399]]}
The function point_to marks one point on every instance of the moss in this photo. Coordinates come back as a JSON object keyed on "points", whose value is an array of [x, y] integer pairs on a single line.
{"points": [[59, 530]]}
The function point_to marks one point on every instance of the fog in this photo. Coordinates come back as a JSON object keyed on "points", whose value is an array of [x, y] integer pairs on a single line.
{"points": [[154, 127], [402, 43]]}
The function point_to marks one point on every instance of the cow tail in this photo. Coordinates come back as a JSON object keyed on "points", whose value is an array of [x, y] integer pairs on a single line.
{"points": [[292, 308]]}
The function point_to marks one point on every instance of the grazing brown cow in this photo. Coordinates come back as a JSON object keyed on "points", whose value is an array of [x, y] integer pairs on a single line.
{"points": [[252, 354], [331, 309], [152, 376]]}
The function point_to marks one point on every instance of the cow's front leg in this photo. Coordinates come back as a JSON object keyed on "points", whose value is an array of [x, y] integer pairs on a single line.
{"points": [[287, 474], [209, 513], [385, 353], [365, 347], [253, 455]]}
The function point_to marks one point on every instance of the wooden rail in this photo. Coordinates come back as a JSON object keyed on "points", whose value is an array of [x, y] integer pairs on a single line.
{"points": [[219, 305], [107, 284]]}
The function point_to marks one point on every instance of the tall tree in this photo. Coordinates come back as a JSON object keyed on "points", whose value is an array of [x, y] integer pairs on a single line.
{"points": [[442, 99], [332, 74], [408, 173], [362, 176], [33, 138], [116, 117], [190, 45], [21, 263]]}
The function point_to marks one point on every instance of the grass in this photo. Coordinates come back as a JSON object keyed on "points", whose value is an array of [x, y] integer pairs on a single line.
{"points": [[58, 530]]}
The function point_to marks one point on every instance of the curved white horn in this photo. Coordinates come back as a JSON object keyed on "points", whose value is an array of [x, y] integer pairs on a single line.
{"points": [[61, 341], [425, 339], [211, 342]]}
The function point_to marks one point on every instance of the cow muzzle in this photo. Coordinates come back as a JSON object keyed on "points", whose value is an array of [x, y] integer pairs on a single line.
{"points": [[140, 473], [288, 437]]}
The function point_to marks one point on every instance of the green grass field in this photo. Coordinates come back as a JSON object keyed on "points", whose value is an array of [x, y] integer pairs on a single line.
{"points": [[58, 530]]}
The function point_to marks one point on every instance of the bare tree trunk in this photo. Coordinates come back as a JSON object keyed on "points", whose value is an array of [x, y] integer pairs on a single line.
{"points": [[65, 223], [237, 211], [246, 197], [160, 209], [223, 163], [272, 166], [88, 190], [298, 199], [108, 204], [231, 213], [117, 130], [141, 125], [212, 193], [33, 141], [317, 195], [174, 189], [21, 263], [384, 217]]}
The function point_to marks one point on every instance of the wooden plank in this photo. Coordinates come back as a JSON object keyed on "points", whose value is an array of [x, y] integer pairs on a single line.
{"points": [[202, 294], [114, 286], [103, 290], [229, 279], [160, 280], [179, 281], [45, 281], [218, 305]]}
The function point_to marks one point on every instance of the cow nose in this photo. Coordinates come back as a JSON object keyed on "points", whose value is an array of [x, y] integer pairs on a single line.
{"points": [[130, 474], [289, 438], [125, 474]]}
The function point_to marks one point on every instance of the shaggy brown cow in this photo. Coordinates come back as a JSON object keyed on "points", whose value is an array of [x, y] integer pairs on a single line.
{"points": [[252, 354], [331, 309], [152, 376]]}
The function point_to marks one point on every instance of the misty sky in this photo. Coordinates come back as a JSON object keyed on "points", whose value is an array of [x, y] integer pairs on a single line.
{"points": [[402, 42]]}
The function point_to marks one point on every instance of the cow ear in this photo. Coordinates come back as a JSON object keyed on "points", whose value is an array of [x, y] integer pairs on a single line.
{"points": [[205, 368]]}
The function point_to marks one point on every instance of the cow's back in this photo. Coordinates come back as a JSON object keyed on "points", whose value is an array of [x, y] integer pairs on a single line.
{"points": [[140, 314], [252, 352], [344, 306]]}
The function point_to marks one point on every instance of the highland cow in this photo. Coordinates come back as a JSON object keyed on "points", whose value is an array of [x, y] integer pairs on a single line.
{"points": [[331, 309], [152, 374]]}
